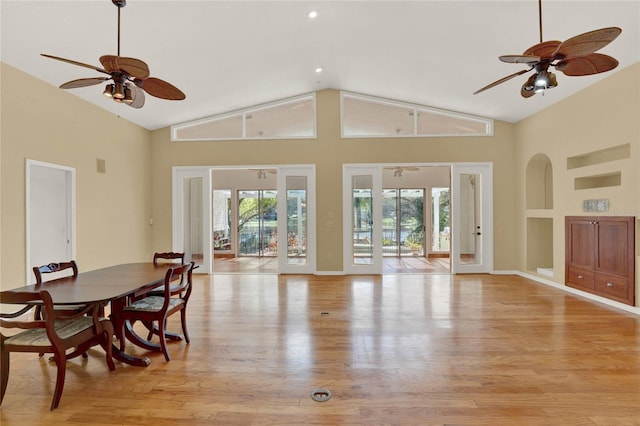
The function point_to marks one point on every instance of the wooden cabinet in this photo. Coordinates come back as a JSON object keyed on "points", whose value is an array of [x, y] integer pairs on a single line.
{"points": [[600, 256]]}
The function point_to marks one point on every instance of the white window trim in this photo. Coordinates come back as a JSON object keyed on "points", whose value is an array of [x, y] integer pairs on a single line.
{"points": [[416, 107], [244, 112]]}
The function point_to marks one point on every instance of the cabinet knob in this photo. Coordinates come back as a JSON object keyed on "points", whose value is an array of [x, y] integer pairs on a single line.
{"points": [[609, 284], [580, 277]]}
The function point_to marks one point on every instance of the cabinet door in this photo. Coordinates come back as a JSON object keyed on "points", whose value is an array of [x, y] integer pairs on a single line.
{"points": [[612, 254], [580, 243]]}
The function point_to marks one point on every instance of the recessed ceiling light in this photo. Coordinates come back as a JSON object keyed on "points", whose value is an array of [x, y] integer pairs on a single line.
{"points": [[313, 14], [318, 70]]}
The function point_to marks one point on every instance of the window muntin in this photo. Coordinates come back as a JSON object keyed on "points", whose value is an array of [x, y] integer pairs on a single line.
{"points": [[292, 118], [366, 116]]}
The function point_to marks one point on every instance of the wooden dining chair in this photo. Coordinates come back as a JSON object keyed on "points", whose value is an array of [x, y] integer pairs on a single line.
{"points": [[161, 258], [54, 268], [51, 268], [53, 333], [154, 309]]}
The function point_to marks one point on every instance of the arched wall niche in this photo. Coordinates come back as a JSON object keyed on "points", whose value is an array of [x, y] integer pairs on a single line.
{"points": [[539, 183]]}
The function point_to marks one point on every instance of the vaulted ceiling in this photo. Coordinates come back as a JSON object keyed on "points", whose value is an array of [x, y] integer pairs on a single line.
{"points": [[226, 55]]}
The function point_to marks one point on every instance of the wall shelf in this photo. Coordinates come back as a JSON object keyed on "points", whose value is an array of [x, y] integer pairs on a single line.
{"points": [[598, 181], [619, 152]]}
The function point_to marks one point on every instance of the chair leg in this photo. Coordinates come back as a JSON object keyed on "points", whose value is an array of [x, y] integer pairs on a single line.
{"points": [[4, 374], [163, 339], [183, 319], [61, 363]]}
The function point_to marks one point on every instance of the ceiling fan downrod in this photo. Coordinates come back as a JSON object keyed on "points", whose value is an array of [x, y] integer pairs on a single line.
{"points": [[119, 4], [540, 18]]}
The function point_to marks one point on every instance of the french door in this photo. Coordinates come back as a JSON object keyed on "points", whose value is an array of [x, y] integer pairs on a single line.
{"points": [[362, 219], [472, 218], [293, 238], [296, 220]]}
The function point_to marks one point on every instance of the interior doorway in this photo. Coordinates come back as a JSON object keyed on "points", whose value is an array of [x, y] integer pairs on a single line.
{"points": [[415, 219], [458, 220], [50, 210]]}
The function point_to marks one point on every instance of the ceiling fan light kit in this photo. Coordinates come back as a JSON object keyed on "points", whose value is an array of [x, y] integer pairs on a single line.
{"points": [[573, 57], [130, 76]]}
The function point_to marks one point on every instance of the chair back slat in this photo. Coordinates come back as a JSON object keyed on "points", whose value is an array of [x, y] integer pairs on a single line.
{"points": [[168, 256], [54, 267]]}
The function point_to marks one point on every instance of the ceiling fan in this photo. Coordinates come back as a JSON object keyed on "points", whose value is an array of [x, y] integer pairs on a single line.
{"points": [[574, 57], [262, 173], [130, 77], [397, 171]]}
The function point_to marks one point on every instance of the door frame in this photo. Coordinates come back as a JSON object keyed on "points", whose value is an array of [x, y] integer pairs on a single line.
{"points": [[70, 183], [179, 173], [484, 169]]}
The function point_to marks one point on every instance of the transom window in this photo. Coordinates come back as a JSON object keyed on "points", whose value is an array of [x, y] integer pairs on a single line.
{"points": [[292, 118], [367, 116]]}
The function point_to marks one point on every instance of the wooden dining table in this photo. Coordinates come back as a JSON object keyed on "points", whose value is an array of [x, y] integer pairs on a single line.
{"points": [[113, 285]]}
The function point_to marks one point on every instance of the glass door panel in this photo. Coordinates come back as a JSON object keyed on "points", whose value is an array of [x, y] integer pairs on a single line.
{"points": [[257, 223], [469, 231], [411, 224], [362, 223], [403, 222], [193, 226], [362, 220], [391, 244], [441, 230], [296, 220], [222, 238]]}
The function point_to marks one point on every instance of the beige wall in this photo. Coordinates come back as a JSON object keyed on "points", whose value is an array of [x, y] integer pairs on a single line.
{"points": [[329, 152], [605, 115], [42, 122]]}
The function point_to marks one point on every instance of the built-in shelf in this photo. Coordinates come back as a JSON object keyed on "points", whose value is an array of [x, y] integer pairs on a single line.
{"points": [[539, 181], [540, 245], [619, 152], [598, 181]]}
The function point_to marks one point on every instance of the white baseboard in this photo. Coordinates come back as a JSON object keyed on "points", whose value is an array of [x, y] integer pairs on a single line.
{"points": [[584, 294]]}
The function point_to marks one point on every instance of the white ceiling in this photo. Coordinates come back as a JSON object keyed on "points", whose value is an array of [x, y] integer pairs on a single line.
{"points": [[227, 55]]}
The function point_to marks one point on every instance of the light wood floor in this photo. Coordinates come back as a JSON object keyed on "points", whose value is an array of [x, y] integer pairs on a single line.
{"points": [[393, 350], [391, 265]]}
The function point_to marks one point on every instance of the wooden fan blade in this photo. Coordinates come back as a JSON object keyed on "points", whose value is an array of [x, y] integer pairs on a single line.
{"points": [[544, 50], [502, 80], [594, 63], [83, 82], [138, 96], [131, 66], [80, 64], [134, 67], [520, 59], [587, 43], [160, 89], [110, 63]]}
